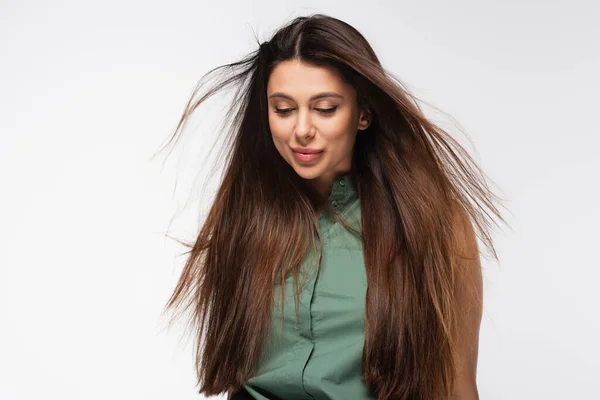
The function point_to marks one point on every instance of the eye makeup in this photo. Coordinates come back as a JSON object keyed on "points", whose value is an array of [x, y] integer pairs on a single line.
{"points": [[285, 111]]}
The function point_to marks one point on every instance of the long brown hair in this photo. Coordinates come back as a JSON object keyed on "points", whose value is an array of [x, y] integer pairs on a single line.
{"points": [[412, 179]]}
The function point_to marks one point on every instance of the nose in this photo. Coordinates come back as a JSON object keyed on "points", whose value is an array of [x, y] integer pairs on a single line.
{"points": [[304, 127]]}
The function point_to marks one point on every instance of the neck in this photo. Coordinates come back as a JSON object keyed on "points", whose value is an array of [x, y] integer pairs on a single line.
{"points": [[324, 183]]}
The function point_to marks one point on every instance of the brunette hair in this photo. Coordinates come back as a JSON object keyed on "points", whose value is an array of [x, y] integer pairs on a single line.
{"points": [[417, 187]]}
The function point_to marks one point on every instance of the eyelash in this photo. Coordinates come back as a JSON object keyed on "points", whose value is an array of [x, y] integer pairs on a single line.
{"points": [[284, 111]]}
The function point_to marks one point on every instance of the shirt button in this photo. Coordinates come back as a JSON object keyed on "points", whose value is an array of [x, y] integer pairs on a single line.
{"points": [[342, 183], [334, 203]]}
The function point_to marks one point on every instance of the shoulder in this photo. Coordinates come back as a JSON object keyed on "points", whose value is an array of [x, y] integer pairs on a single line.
{"points": [[463, 232], [469, 295]]}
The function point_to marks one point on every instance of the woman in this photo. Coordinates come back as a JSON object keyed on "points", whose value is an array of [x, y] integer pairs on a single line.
{"points": [[339, 259]]}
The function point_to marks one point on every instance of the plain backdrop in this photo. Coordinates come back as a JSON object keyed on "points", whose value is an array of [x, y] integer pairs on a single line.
{"points": [[89, 91]]}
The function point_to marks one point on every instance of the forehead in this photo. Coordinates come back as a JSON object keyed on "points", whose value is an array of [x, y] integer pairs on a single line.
{"points": [[300, 79]]}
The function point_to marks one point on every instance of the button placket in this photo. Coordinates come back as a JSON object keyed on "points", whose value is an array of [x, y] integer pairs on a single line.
{"points": [[338, 192]]}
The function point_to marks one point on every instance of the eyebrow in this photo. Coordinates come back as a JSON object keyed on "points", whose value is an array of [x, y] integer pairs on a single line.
{"points": [[314, 97]]}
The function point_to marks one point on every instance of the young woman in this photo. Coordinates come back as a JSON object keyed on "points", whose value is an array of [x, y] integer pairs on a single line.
{"points": [[339, 259]]}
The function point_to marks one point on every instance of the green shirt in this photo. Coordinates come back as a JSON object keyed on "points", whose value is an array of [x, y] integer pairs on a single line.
{"points": [[320, 357]]}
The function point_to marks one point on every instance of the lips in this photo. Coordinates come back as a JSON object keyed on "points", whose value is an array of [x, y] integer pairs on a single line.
{"points": [[307, 157], [306, 150]]}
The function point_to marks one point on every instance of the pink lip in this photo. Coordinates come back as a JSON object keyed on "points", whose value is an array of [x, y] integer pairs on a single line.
{"points": [[307, 157], [306, 150]]}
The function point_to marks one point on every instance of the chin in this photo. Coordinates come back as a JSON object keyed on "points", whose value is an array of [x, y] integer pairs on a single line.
{"points": [[307, 172], [304, 174]]}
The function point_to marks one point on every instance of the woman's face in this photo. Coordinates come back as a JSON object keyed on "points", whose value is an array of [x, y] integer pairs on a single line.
{"points": [[311, 107]]}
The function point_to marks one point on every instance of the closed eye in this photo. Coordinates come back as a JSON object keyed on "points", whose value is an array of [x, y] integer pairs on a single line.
{"points": [[282, 110], [321, 110], [326, 110]]}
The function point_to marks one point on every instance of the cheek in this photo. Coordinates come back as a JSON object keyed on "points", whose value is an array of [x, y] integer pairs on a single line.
{"points": [[278, 128], [337, 128], [278, 135]]}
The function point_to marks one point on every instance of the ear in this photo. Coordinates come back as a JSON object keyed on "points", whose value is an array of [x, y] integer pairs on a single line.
{"points": [[364, 119]]}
